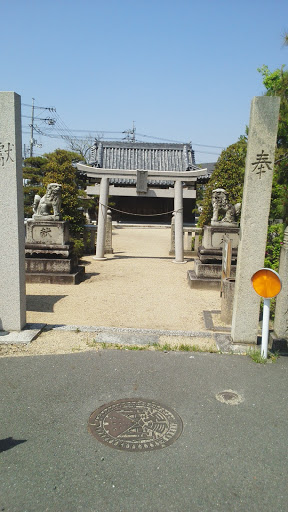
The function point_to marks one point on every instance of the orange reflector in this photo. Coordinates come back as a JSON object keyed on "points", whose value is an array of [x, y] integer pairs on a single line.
{"points": [[266, 283]]}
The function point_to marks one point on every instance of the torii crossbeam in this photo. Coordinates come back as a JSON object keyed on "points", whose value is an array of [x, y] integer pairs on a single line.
{"points": [[177, 177]]}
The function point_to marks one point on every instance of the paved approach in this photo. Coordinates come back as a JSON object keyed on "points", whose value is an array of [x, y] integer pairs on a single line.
{"points": [[228, 457]]}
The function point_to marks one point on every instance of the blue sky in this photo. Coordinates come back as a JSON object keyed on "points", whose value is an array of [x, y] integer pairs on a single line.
{"points": [[182, 70]]}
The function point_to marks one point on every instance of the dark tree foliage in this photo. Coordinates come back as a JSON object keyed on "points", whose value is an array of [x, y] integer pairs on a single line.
{"points": [[33, 173], [229, 170], [228, 174], [276, 84], [59, 169]]}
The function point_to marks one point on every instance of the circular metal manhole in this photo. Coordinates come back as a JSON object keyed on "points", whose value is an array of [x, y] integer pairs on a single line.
{"points": [[135, 424], [229, 397]]}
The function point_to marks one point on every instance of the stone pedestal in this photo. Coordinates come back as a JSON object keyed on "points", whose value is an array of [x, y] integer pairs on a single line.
{"points": [[208, 266], [48, 253], [228, 289], [48, 232], [108, 234], [213, 235]]}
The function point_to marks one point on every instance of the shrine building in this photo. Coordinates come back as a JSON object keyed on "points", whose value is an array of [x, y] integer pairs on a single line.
{"points": [[159, 197]]}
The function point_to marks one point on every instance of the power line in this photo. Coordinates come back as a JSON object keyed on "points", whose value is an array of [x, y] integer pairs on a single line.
{"points": [[52, 109], [59, 130]]}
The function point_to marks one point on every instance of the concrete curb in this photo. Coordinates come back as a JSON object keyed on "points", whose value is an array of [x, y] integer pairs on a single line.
{"points": [[24, 337]]}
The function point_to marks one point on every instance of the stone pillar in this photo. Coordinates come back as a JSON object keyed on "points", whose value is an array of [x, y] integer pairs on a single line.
{"points": [[12, 246], [197, 235], [178, 208], [93, 230], [172, 235], [281, 310], [187, 239], [89, 238], [227, 297], [102, 217], [108, 237], [254, 217]]}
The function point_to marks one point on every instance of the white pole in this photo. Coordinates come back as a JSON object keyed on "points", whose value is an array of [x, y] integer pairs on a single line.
{"points": [[265, 328], [102, 217], [178, 207]]}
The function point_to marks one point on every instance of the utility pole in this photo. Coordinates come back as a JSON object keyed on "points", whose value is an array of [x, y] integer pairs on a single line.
{"points": [[130, 132], [32, 127], [48, 120]]}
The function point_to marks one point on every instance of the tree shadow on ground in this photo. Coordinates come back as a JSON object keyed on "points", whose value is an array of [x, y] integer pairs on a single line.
{"points": [[42, 303]]}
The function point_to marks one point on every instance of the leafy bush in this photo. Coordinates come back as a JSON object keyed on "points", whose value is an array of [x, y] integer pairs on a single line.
{"points": [[228, 174], [274, 242], [78, 247], [59, 169]]}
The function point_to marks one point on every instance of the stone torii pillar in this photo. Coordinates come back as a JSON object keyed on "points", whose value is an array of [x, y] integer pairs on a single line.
{"points": [[102, 217], [141, 176], [178, 210]]}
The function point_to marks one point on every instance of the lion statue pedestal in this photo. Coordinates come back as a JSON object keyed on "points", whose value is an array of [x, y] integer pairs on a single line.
{"points": [[48, 250], [208, 266]]}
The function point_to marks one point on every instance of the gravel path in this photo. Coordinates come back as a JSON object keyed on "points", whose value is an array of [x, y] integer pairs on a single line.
{"points": [[137, 287]]}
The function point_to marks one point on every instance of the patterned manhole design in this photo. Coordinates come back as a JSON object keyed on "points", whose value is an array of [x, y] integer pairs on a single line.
{"points": [[135, 424], [229, 397]]}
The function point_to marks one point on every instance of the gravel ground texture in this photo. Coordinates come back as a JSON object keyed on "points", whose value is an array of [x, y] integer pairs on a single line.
{"points": [[137, 287]]}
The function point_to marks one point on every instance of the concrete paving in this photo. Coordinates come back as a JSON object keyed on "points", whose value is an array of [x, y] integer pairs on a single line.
{"points": [[228, 458], [24, 337]]}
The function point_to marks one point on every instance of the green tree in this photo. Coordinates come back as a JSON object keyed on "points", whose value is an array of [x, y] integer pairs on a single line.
{"points": [[228, 174], [33, 173], [276, 84], [59, 169]]}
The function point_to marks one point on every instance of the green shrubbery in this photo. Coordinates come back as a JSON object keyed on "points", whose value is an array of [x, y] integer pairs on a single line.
{"points": [[273, 247], [228, 174]]}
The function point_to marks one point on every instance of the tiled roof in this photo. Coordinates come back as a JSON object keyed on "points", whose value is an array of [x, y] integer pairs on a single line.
{"points": [[144, 156], [208, 173]]}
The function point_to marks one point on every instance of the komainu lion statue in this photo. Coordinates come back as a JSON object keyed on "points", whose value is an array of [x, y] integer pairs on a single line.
{"points": [[220, 203], [43, 206]]}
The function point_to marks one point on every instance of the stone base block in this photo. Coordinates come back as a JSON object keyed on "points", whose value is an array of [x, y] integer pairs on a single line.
{"points": [[215, 255], [74, 278], [48, 251], [210, 270], [278, 344], [203, 283], [42, 265], [47, 232], [213, 236]]}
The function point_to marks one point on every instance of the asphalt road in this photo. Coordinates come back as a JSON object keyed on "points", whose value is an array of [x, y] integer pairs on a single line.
{"points": [[228, 458]]}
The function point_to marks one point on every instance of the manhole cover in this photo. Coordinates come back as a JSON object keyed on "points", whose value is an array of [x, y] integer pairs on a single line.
{"points": [[135, 424], [229, 397]]}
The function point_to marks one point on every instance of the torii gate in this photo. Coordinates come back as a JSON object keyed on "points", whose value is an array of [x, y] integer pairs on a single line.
{"points": [[141, 188]]}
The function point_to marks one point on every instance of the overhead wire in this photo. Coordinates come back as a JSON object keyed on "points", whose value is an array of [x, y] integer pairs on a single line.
{"points": [[62, 131]]}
